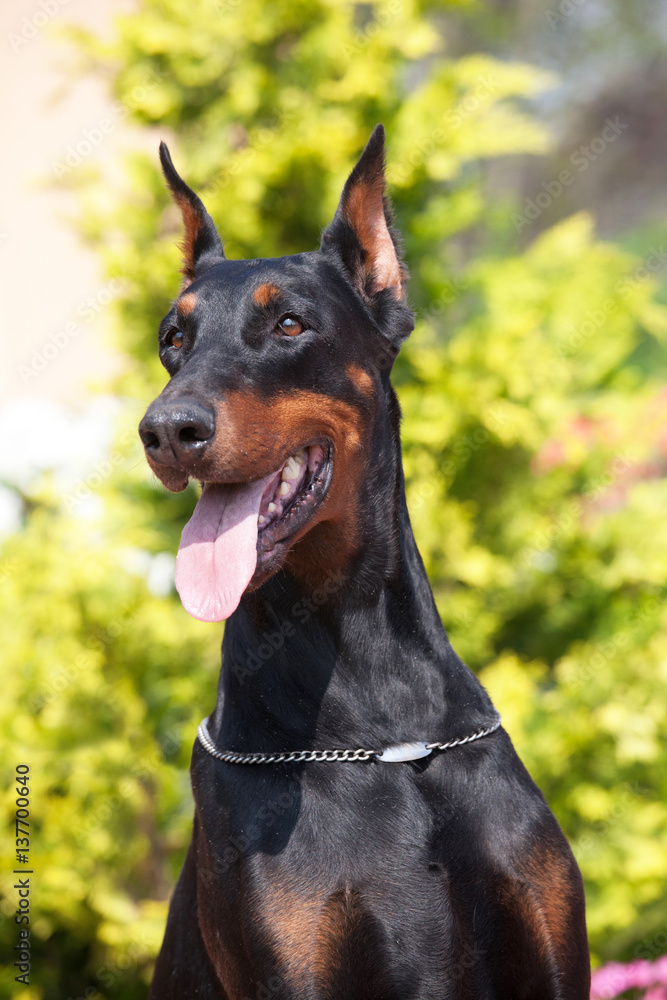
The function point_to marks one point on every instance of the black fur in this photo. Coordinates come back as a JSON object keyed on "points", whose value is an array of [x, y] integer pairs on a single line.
{"points": [[203, 246], [441, 880]]}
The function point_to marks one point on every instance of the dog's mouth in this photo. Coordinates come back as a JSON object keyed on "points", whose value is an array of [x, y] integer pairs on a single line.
{"points": [[291, 498], [240, 532]]}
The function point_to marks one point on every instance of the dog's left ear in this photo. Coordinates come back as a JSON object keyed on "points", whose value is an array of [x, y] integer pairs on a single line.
{"points": [[361, 233], [202, 246]]}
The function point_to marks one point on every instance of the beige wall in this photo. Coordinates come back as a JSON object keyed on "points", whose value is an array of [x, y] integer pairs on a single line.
{"points": [[48, 280]]}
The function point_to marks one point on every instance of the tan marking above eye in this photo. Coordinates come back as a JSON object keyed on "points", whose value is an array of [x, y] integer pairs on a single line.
{"points": [[186, 304], [265, 294]]}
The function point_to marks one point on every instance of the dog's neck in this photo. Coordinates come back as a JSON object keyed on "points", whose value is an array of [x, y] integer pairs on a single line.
{"points": [[362, 660]]}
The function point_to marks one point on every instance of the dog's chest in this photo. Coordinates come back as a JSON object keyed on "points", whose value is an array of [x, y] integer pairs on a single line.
{"points": [[302, 936], [296, 896]]}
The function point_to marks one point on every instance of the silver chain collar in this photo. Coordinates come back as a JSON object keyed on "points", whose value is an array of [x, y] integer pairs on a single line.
{"points": [[397, 752]]}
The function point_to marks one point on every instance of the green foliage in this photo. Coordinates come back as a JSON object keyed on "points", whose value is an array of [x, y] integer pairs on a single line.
{"points": [[102, 695], [533, 455]]}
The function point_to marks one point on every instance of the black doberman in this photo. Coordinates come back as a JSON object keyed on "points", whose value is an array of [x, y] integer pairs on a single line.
{"points": [[391, 870]]}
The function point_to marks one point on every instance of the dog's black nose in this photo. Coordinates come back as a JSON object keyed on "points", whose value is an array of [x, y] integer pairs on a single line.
{"points": [[177, 433]]}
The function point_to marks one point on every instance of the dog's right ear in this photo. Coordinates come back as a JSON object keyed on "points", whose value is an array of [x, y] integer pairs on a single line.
{"points": [[202, 247]]}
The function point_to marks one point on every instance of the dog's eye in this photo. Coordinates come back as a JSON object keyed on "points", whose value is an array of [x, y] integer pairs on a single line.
{"points": [[290, 326], [175, 339]]}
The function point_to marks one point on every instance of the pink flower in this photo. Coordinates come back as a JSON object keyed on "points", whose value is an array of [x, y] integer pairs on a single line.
{"points": [[656, 993], [613, 979]]}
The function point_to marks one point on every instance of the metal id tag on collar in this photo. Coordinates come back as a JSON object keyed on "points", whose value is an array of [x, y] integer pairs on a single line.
{"points": [[405, 751]]}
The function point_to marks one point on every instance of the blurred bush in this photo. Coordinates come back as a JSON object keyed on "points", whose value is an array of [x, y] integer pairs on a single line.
{"points": [[534, 413]]}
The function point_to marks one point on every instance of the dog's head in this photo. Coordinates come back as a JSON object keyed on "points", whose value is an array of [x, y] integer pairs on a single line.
{"points": [[279, 382]]}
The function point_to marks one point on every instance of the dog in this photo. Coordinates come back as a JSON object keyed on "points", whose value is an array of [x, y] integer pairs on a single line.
{"points": [[364, 829]]}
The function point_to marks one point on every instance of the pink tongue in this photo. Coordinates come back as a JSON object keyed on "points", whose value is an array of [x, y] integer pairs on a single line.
{"points": [[218, 551]]}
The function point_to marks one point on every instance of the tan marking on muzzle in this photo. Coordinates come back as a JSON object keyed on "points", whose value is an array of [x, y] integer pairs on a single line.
{"points": [[254, 436]]}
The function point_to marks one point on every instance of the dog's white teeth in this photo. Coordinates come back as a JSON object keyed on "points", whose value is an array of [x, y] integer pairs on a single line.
{"points": [[272, 508], [261, 519], [293, 466], [284, 489]]}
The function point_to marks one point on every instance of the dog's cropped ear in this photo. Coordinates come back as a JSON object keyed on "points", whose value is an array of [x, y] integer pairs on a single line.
{"points": [[202, 246], [363, 239]]}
